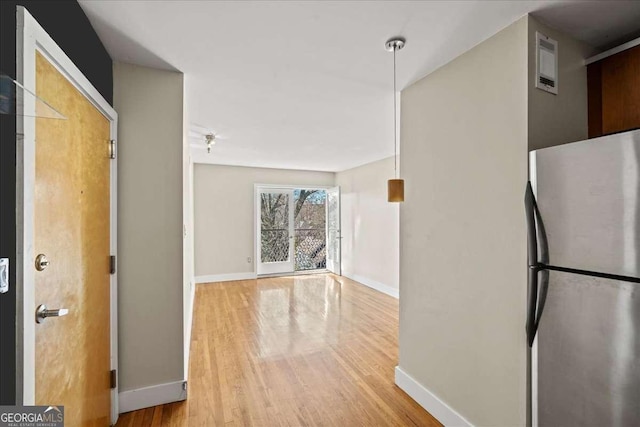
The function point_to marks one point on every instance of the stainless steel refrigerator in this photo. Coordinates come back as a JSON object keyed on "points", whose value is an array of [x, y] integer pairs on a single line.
{"points": [[583, 321]]}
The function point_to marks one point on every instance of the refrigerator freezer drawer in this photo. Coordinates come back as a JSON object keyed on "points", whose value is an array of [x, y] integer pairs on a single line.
{"points": [[586, 369], [588, 194]]}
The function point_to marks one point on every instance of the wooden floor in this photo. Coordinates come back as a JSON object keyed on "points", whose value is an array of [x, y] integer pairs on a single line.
{"points": [[294, 351]]}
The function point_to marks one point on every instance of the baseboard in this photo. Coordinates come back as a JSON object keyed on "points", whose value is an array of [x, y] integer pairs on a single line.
{"points": [[147, 397], [212, 278], [294, 273], [429, 401], [385, 289]]}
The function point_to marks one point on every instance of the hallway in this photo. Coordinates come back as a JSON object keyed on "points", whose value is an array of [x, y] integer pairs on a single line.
{"points": [[304, 350]]}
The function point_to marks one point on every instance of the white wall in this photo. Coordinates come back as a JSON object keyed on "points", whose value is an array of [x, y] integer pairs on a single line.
{"points": [[562, 118], [224, 214], [370, 226], [462, 232], [149, 103]]}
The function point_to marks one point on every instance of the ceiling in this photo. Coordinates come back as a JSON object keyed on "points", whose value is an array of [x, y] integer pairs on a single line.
{"points": [[308, 85]]}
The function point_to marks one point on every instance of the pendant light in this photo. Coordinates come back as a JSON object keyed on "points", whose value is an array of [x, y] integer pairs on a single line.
{"points": [[395, 186]]}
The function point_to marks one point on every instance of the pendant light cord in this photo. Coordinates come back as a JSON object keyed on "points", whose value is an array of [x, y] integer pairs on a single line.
{"points": [[395, 117]]}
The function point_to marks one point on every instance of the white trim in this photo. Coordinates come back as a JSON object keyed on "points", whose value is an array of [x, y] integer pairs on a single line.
{"points": [[146, 397], [213, 278], [429, 401], [334, 266], [113, 281], [25, 177], [256, 229], [611, 52], [294, 187], [380, 287], [31, 37]]}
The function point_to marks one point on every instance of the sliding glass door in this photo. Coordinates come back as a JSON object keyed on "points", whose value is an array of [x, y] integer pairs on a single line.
{"points": [[291, 230]]}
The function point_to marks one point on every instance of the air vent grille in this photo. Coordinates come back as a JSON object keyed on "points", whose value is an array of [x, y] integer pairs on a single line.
{"points": [[546, 81], [546, 45], [546, 64]]}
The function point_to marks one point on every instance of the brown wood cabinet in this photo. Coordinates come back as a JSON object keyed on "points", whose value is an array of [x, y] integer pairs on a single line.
{"points": [[614, 93]]}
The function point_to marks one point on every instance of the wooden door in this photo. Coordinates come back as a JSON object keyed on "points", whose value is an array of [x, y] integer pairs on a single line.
{"points": [[71, 227], [614, 93], [621, 91]]}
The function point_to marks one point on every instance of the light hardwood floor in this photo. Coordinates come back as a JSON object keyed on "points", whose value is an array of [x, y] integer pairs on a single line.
{"points": [[291, 351]]}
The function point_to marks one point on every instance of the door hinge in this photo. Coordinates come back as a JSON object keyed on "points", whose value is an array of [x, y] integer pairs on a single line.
{"points": [[112, 264], [113, 379], [112, 149]]}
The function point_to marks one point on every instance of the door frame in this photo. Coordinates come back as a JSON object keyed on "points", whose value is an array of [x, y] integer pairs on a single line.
{"points": [[256, 209], [32, 38], [339, 242]]}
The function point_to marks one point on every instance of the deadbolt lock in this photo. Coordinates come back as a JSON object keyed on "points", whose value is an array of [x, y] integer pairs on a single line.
{"points": [[41, 262]]}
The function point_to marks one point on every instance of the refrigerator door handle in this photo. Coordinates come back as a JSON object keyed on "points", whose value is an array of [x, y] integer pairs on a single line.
{"points": [[532, 253], [537, 238], [535, 230], [542, 298], [532, 238], [532, 298], [537, 297]]}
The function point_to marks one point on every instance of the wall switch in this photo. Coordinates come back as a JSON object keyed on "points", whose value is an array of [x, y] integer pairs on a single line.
{"points": [[249, 260], [4, 275]]}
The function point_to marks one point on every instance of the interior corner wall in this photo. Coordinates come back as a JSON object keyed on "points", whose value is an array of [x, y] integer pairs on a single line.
{"points": [[149, 103], [463, 235], [224, 215], [370, 226], [562, 118]]}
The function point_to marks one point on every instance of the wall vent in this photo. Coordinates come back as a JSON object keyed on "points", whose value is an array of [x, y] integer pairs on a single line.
{"points": [[546, 63]]}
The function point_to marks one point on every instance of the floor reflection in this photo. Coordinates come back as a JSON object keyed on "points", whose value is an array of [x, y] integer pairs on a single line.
{"points": [[297, 315]]}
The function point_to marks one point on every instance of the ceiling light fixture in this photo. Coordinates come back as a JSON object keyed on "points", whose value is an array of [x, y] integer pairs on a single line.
{"points": [[395, 186], [210, 139]]}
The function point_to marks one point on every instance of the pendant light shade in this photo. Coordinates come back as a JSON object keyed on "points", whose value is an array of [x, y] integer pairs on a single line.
{"points": [[395, 187], [395, 190]]}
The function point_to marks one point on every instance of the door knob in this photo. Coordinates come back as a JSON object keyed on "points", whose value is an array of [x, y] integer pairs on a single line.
{"points": [[42, 313]]}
